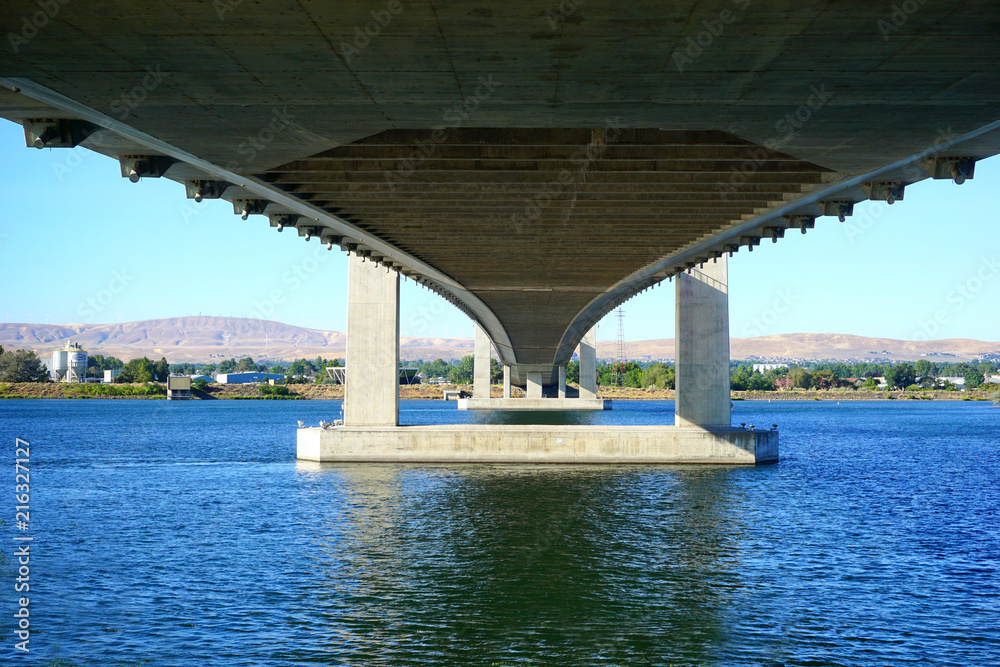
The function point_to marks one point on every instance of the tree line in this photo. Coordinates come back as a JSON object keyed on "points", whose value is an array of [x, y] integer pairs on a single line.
{"points": [[923, 374], [25, 366]]}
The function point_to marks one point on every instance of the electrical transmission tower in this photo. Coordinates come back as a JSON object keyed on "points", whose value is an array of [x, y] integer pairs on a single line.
{"points": [[618, 367]]}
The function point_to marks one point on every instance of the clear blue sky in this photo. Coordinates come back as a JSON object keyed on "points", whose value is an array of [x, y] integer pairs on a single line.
{"points": [[81, 244]]}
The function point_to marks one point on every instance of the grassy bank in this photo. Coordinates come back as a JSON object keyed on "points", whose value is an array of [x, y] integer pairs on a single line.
{"points": [[244, 392]]}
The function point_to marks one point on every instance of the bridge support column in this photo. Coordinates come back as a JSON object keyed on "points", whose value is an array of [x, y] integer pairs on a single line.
{"points": [[481, 365], [371, 392], [588, 365], [506, 381], [562, 382], [702, 373], [535, 384]]}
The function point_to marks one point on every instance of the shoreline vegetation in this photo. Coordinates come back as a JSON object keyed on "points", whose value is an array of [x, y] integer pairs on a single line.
{"points": [[155, 390]]}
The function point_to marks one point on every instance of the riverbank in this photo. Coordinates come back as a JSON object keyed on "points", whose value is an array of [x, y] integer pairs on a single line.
{"points": [[424, 392]]}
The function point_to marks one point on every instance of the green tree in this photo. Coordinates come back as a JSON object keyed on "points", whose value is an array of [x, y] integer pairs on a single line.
{"points": [[137, 370], [923, 368], [800, 378], [739, 379], [633, 375], [758, 382], [227, 366], [21, 366], [496, 371], [899, 376], [161, 371], [870, 384], [824, 379], [973, 379], [461, 373], [573, 372], [659, 375], [436, 368], [245, 365], [299, 367]]}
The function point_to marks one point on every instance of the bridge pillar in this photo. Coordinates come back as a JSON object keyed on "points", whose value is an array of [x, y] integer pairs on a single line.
{"points": [[371, 391], [506, 381], [481, 365], [588, 365], [702, 373], [562, 382], [535, 384]]}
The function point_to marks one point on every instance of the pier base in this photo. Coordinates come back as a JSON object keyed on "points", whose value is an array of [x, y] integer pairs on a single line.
{"points": [[534, 404], [538, 444]]}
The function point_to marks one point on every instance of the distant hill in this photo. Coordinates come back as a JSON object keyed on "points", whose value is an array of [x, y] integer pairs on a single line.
{"points": [[197, 339], [184, 339]]}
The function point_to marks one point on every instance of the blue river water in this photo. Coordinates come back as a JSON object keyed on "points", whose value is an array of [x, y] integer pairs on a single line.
{"points": [[186, 533]]}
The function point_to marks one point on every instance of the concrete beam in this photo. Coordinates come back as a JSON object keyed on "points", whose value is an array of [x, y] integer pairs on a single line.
{"points": [[702, 340], [588, 364], [534, 385], [481, 365], [371, 393]]}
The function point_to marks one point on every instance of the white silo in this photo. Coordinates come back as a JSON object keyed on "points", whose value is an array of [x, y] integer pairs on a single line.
{"points": [[77, 363], [69, 363], [60, 364]]}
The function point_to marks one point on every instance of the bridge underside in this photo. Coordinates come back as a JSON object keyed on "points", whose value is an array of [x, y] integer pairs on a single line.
{"points": [[535, 163]]}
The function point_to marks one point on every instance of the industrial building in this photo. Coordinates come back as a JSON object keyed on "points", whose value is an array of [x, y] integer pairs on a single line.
{"points": [[246, 378], [178, 388]]}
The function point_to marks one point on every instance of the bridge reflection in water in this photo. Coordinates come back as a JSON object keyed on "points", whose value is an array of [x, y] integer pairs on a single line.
{"points": [[497, 565]]}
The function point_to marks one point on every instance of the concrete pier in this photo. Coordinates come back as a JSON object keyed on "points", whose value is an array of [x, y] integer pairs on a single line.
{"points": [[538, 444], [588, 365], [371, 393], [506, 381], [702, 339], [562, 382], [481, 365], [534, 384]]}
